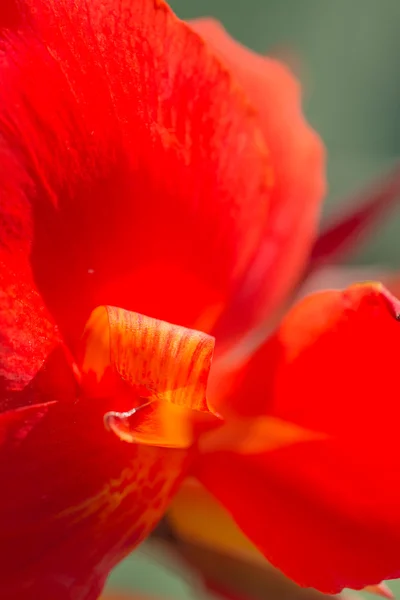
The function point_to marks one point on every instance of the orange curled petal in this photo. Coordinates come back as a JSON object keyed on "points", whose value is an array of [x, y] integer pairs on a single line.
{"points": [[157, 360], [160, 424], [331, 367]]}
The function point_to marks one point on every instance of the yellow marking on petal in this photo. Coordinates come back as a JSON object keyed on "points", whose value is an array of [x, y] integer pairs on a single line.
{"points": [[108, 498], [256, 435], [144, 489], [160, 361]]}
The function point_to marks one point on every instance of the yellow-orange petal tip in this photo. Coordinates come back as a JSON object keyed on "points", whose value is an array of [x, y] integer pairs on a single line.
{"points": [[155, 360]]}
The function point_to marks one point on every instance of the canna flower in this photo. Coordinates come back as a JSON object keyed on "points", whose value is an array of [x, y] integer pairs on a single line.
{"points": [[136, 174], [158, 201]]}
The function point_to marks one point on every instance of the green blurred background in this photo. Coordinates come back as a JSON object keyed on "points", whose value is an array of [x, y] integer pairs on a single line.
{"points": [[349, 53]]}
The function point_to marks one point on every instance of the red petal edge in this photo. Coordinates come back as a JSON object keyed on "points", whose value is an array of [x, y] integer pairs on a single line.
{"points": [[324, 512], [297, 173]]}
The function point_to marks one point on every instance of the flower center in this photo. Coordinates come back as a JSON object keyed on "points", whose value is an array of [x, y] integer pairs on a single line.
{"points": [[163, 368]]}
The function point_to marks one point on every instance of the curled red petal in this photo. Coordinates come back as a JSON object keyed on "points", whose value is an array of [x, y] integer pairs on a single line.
{"points": [[297, 172], [143, 165], [315, 508]]}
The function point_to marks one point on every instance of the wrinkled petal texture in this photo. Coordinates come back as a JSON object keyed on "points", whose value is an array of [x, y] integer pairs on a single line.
{"points": [[297, 174], [27, 330], [142, 167], [324, 512]]}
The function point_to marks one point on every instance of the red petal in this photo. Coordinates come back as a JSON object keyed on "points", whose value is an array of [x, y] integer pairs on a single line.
{"points": [[150, 173], [9, 14], [325, 512], [197, 518], [77, 497], [349, 227], [206, 537], [29, 338], [27, 333], [297, 171], [74, 500]]}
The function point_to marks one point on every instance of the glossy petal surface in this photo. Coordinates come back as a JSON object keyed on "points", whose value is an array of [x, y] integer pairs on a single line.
{"points": [[326, 511], [115, 192], [297, 176], [131, 199]]}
